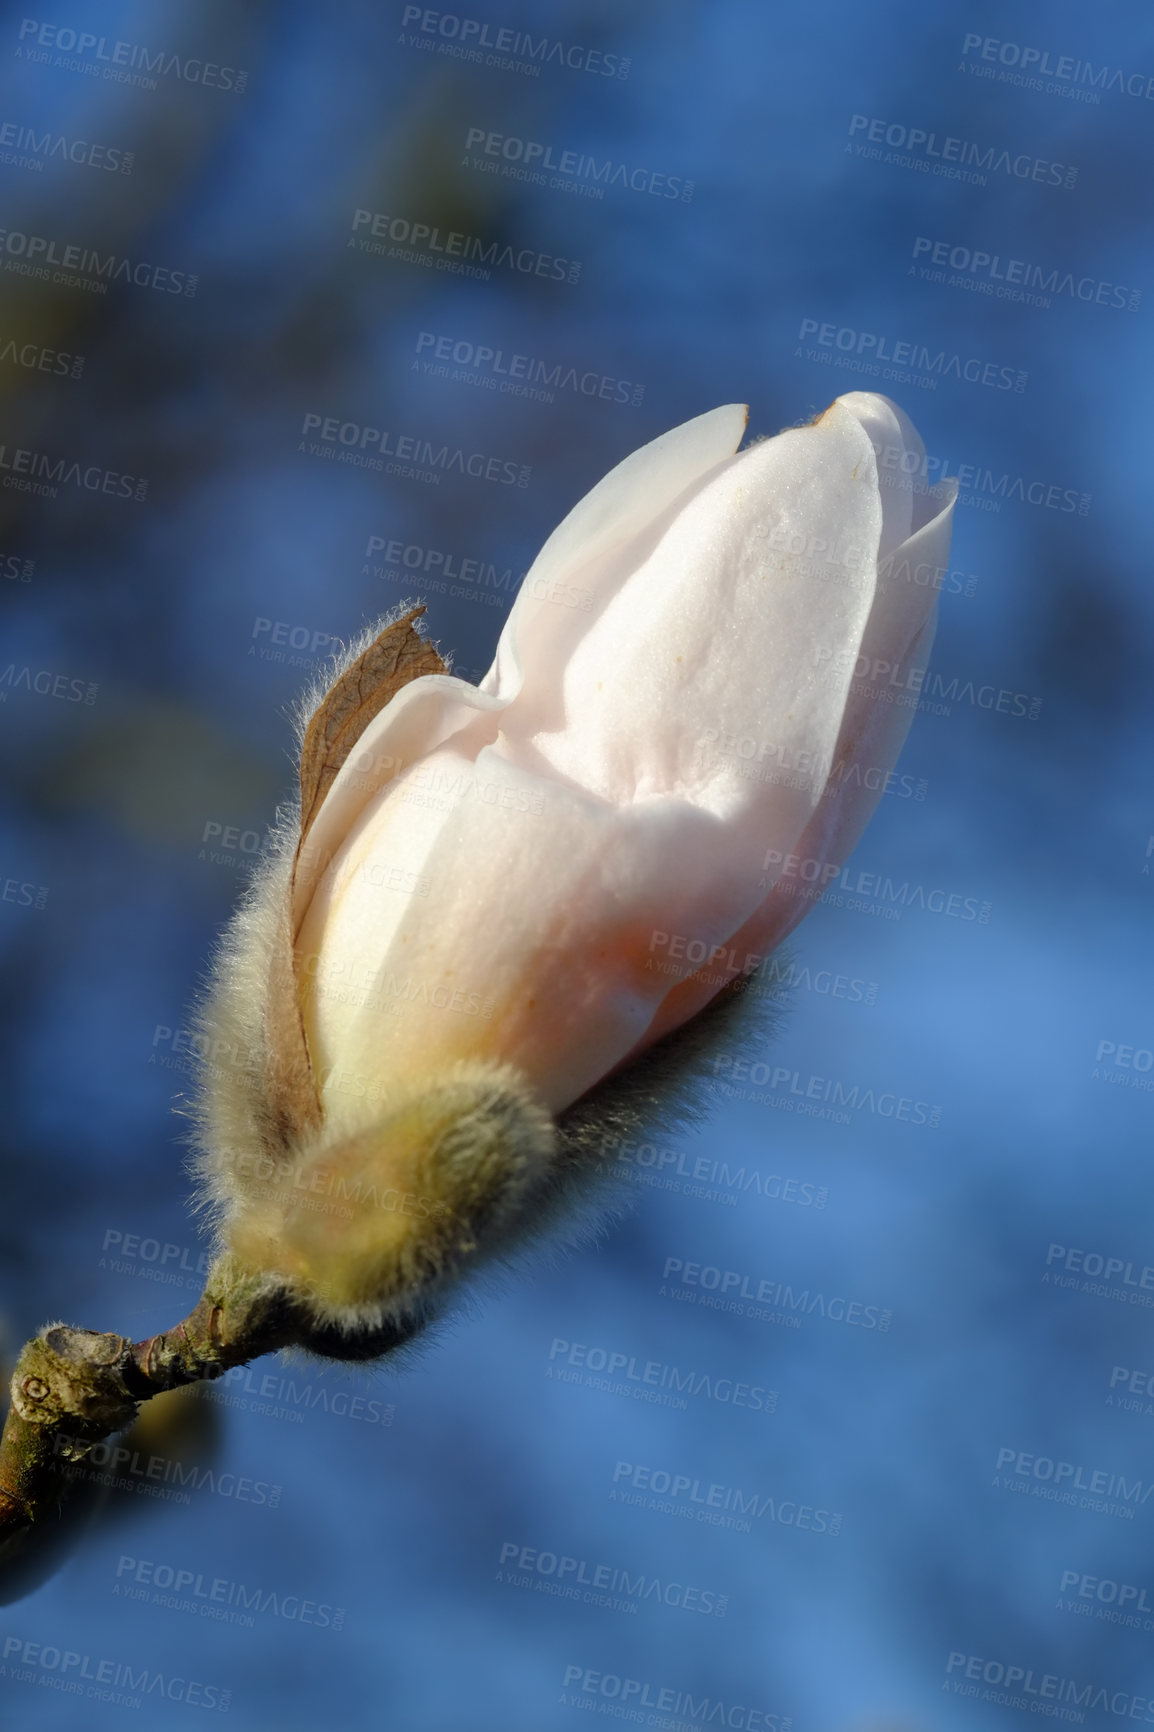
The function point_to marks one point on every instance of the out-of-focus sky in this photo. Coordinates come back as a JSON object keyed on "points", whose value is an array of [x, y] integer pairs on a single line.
{"points": [[809, 192]]}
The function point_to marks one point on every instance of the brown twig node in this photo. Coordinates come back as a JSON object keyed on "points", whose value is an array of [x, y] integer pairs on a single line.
{"points": [[72, 1388]]}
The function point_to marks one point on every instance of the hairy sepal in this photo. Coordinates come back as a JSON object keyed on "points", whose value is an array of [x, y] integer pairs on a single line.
{"points": [[376, 1224]]}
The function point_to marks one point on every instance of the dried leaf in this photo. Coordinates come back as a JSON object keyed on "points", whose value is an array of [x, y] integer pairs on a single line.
{"points": [[399, 655]]}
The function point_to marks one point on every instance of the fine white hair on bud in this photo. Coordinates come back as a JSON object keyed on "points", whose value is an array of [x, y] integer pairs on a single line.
{"points": [[506, 925], [396, 1211]]}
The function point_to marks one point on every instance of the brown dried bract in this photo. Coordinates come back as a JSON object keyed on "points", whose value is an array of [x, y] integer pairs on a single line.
{"points": [[399, 655], [394, 658]]}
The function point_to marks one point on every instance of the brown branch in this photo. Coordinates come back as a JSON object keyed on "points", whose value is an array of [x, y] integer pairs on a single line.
{"points": [[72, 1388]]}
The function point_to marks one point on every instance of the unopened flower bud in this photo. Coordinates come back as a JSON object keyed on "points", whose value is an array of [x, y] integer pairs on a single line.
{"points": [[496, 897]]}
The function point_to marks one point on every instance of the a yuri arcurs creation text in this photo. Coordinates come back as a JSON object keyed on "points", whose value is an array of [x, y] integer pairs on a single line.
{"points": [[443, 980]]}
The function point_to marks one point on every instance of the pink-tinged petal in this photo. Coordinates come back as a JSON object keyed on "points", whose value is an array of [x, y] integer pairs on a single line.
{"points": [[591, 552], [484, 911], [741, 622], [888, 677], [900, 454], [422, 715], [889, 673]]}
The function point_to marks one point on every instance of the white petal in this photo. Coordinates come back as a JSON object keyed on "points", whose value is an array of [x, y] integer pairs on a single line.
{"points": [[528, 935], [894, 655], [900, 454], [881, 707], [423, 714], [742, 623], [590, 552]]}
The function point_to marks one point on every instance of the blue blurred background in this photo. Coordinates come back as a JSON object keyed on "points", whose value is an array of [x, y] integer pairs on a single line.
{"points": [[154, 636]]}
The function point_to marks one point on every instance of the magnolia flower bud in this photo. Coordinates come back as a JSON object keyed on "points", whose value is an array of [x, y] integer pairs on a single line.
{"points": [[498, 896]]}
